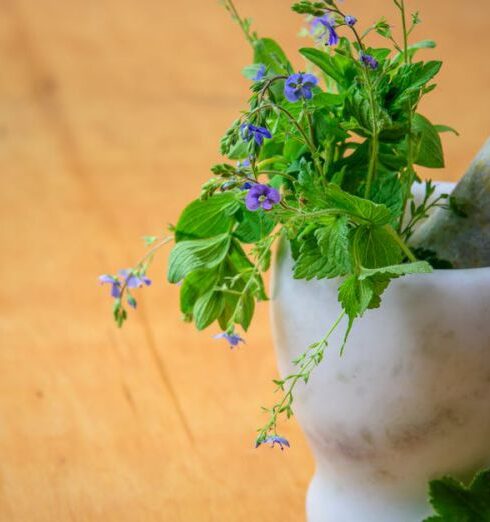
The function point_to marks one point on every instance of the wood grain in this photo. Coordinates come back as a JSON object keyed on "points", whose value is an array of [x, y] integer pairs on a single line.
{"points": [[110, 115]]}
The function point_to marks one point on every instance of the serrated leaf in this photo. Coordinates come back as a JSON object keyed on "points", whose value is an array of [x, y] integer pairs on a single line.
{"points": [[333, 240], [326, 253], [254, 226], [198, 254], [355, 296], [360, 209], [374, 247], [454, 502], [207, 218]]}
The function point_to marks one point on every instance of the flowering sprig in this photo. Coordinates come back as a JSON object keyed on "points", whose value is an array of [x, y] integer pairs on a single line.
{"points": [[324, 160], [129, 279]]}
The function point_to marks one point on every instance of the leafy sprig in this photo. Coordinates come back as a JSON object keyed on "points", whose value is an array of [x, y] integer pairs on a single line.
{"points": [[328, 167]]}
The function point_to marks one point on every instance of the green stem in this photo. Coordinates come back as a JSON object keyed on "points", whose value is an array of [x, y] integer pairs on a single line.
{"points": [[230, 6], [373, 163], [403, 246], [304, 372], [300, 129]]}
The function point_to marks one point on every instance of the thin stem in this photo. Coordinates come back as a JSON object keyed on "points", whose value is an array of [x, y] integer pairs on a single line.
{"points": [[300, 129], [145, 259], [230, 6], [403, 246], [311, 358], [373, 163]]}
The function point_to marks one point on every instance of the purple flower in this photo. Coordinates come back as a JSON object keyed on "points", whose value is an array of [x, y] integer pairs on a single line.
{"points": [[299, 86], [328, 22], [244, 164], [369, 61], [247, 185], [233, 338], [262, 196], [258, 134], [133, 280], [273, 440], [350, 20], [114, 281], [260, 73]]}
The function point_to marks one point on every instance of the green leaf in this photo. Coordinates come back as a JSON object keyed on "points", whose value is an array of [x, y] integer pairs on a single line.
{"points": [[388, 190], [197, 254], [331, 66], [418, 267], [360, 209], [430, 153], [455, 502], [374, 247], [254, 226], [208, 217], [326, 253], [445, 128], [270, 53], [327, 99], [355, 296], [412, 50], [333, 240], [194, 285], [208, 308]]}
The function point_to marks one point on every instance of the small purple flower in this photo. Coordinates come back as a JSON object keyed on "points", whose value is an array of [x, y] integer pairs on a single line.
{"points": [[258, 134], [244, 164], [369, 61], [300, 86], [260, 73], [262, 196], [247, 185], [133, 280], [328, 22], [350, 20], [114, 281], [233, 338], [273, 440]]}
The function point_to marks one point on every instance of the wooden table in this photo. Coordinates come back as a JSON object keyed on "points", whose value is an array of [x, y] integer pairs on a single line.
{"points": [[110, 115]]}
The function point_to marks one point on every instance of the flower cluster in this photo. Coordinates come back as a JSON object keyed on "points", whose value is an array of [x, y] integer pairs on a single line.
{"points": [[126, 279]]}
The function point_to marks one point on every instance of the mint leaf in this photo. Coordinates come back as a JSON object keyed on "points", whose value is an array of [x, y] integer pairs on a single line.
{"points": [[207, 218], [374, 247], [362, 210], [430, 153], [333, 240], [188, 256], [326, 252], [454, 502], [253, 226], [355, 296], [419, 267]]}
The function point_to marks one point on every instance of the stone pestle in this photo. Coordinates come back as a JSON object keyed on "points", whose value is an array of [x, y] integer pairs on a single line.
{"points": [[460, 232]]}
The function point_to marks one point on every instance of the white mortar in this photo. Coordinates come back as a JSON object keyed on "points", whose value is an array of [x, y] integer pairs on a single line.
{"points": [[409, 400]]}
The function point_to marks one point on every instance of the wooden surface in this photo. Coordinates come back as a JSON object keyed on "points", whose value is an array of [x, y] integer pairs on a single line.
{"points": [[110, 114]]}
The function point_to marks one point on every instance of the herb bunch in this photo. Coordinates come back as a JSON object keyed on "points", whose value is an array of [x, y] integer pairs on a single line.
{"points": [[324, 159]]}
